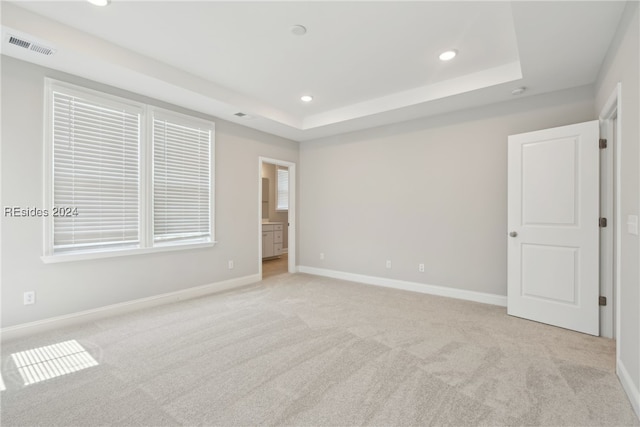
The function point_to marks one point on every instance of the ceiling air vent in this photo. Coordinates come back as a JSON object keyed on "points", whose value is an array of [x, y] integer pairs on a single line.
{"points": [[22, 43], [31, 46]]}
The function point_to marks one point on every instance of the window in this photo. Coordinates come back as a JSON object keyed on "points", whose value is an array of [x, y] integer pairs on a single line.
{"points": [[96, 173], [181, 180], [282, 196], [114, 186]]}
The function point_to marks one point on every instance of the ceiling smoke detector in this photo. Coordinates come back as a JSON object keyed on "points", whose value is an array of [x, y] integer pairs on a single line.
{"points": [[34, 47], [299, 30]]}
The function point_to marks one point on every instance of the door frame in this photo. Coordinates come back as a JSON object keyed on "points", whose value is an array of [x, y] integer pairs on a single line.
{"points": [[291, 239], [612, 110]]}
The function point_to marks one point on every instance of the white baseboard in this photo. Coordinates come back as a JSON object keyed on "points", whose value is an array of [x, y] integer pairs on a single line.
{"points": [[629, 387], [409, 286], [17, 331]]}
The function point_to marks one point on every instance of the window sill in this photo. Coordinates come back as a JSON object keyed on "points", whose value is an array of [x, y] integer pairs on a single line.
{"points": [[82, 256]]}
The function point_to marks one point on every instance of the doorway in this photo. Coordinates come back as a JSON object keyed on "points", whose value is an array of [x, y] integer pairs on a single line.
{"points": [[531, 295], [276, 212]]}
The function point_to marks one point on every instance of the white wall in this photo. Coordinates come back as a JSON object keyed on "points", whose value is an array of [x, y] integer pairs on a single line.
{"points": [[70, 287], [622, 66], [430, 191]]}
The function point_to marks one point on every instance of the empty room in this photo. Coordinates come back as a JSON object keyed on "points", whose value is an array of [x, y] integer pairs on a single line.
{"points": [[329, 213]]}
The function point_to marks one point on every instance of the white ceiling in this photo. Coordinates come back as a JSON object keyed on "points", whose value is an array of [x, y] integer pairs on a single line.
{"points": [[365, 63]]}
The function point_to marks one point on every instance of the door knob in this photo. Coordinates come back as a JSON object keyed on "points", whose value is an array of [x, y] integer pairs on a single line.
{"points": [[513, 234]]}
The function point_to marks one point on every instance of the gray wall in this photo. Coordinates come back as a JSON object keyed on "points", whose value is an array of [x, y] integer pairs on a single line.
{"points": [[622, 65], [430, 191], [70, 287]]}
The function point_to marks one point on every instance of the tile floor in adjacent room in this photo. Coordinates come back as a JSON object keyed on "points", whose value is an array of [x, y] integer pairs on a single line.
{"points": [[275, 266]]}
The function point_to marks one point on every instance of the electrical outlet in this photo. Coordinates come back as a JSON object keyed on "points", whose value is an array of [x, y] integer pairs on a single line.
{"points": [[321, 255], [388, 263], [29, 298], [231, 264], [421, 268], [632, 224]]}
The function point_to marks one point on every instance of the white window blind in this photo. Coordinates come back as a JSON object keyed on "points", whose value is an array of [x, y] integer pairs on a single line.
{"points": [[181, 180], [133, 178], [282, 198], [96, 173]]}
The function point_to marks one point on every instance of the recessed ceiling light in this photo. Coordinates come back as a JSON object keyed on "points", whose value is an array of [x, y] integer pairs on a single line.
{"points": [[448, 55], [518, 90], [299, 30], [306, 98], [99, 2]]}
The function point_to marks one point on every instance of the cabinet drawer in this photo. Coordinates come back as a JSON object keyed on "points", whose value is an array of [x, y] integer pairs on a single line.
{"points": [[277, 237], [267, 227], [277, 227], [277, 249]]}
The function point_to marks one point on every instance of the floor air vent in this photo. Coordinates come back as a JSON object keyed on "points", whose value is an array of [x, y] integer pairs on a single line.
{"points": [[31, 46]]}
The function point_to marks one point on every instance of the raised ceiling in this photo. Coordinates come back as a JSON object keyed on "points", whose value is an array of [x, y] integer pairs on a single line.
{"points": [[365, 63]]}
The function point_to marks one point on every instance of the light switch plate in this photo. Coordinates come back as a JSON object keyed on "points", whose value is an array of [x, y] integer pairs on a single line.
{"points": [[632, 224]]}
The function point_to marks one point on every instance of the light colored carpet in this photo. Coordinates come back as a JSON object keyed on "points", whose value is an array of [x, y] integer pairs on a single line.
{"points": [[310, 351]]}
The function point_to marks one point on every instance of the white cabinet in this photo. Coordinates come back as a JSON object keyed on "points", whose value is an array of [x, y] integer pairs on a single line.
{"points": [[271, 239], [267, 243]]}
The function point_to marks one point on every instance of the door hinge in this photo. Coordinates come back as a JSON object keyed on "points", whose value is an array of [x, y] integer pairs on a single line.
{"points": [[602, 222], [602, 300], [603, 143]]}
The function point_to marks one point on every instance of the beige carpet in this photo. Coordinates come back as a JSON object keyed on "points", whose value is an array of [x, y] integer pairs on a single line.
{"points": [[304, 350]]}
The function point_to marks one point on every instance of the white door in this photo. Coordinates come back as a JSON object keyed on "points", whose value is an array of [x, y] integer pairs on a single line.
{"points": [[553, 208]]}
